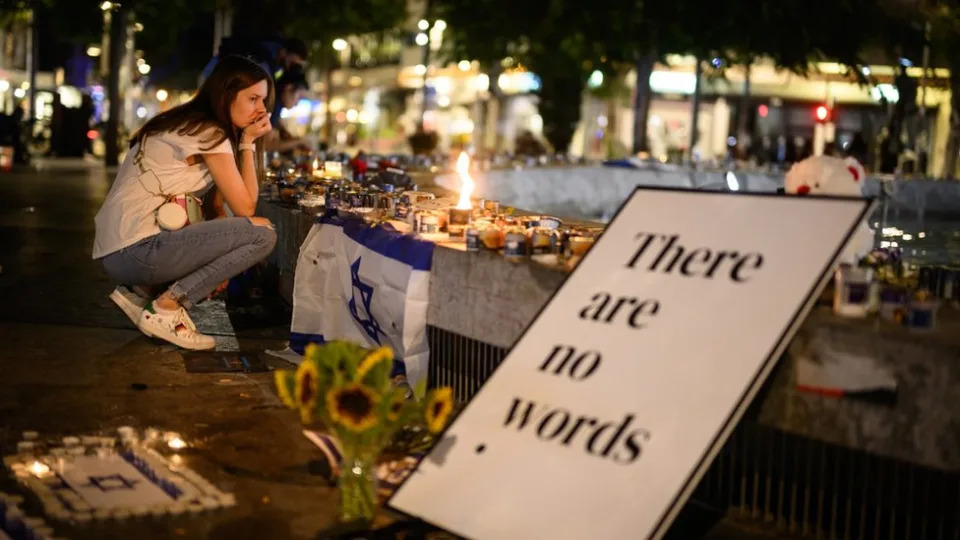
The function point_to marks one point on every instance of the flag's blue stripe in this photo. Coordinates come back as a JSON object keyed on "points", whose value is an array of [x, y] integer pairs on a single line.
{"points": [[299, 342], [383, 239]]}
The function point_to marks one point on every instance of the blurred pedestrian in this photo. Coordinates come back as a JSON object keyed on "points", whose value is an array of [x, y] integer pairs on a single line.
{"points": [[275, 55], [290, 88]]}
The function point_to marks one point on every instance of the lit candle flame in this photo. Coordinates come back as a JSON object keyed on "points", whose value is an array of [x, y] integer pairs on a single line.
{"points": [[316, 163], [177, 443], [466, 183], [39, 469]]}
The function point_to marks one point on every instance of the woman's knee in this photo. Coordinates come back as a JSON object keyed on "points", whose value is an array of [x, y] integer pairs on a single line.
{"points": [[261, 222], [266, 238]]}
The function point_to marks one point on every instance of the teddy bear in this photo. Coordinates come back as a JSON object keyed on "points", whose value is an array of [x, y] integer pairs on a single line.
{"points": [[827, 175]]}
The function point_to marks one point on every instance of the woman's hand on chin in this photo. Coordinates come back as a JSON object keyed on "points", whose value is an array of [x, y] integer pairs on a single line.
{"points": [[256, 129]]}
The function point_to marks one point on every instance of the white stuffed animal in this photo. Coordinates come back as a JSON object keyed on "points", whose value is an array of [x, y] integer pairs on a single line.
{"points": [[825, 175]]}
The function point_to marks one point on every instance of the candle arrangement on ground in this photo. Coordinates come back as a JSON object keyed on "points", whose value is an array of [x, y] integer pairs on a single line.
{"points": [[16, 524], [388, 195], [97, 478], [348, 389]]}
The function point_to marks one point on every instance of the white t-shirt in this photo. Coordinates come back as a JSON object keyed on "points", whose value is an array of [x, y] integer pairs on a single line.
{"points": [[127, 215]]}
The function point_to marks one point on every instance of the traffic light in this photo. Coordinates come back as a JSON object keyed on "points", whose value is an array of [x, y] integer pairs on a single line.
{"points": [[822, 113]]}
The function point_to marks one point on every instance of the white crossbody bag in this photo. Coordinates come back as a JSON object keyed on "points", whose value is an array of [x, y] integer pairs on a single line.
{"points": [[177, 211]]}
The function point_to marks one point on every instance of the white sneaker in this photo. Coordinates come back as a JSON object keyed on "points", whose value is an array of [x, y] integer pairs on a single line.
{"points": [[175, 327], [130, 302]]}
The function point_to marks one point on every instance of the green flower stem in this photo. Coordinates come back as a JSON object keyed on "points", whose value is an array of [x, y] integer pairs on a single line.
{"points": [[357, 485]]}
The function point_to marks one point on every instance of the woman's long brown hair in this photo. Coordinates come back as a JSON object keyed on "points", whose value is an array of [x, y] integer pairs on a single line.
{"points": [[209, 110]]}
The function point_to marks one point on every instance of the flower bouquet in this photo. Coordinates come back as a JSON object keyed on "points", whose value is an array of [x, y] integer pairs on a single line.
{"points": [[893, 281], [349, 389]]}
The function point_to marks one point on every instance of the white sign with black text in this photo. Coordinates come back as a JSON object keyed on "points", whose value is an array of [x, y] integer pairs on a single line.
{"points": [[609, 408]]}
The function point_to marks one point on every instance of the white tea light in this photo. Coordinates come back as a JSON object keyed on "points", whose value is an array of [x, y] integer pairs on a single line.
{"points": [[39, 468], [177, 443]]}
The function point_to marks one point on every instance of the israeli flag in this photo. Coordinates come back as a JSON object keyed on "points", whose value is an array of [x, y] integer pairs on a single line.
{"points": [[366, 284]]}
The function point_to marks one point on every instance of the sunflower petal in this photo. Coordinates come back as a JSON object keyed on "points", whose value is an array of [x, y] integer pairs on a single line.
{"points": [[438, 409], [286, 383], [375, 367], [306, 389]]}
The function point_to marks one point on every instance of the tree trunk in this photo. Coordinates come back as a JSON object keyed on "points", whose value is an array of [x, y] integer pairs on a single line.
{"points": [[560, 96], [744, 113], [222, 24], [423, 89], [695, 115], [479, 125], [118, 27], [328, 97], [953, 140], [641, 102], [32, 54], [497, 95], [612, 135]]}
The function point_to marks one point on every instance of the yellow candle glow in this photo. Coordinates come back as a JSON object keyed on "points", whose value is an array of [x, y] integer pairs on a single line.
{"points": [[466, 182], [39, 468], [177, 443]]}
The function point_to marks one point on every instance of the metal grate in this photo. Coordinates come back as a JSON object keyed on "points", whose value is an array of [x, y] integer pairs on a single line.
{"points": [[797, 485], [810, 488], [460, 362]]}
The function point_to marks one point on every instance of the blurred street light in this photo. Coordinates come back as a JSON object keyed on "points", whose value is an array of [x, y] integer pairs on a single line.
{"points": [[138, 27], [106, 6], [162, 95], [822, 113], [423, 24], [464, 65], [596, 79], [422, 39], [93, 51], [503, 81], [420, 69], [144, 68], [339, 44], [482, 82], [440, 25]]}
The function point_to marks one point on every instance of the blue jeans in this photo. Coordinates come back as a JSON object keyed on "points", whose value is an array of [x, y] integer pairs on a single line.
{"points": [[197, 258]]}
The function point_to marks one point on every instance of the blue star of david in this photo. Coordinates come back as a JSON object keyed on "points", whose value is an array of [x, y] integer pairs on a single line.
{"points": [[112, 482], [369, 324]]}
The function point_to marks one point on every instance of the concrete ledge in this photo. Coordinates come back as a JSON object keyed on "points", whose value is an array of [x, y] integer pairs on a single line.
{"points": [[485, 297]]}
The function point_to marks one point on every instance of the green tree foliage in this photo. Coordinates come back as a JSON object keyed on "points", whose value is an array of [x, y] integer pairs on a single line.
{"points": [[564, 41], [317, 22]]}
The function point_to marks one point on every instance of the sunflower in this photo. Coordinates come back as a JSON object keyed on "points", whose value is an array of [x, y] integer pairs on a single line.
{"points": [[285, 382], [306, 389], [396, 406], [372, 360], [439, 407], [354, 406]]}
